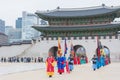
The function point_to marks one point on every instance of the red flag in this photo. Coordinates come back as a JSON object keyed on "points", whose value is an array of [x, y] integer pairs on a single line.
{"points": [[59, 48], [67, 67], [98, 48]]}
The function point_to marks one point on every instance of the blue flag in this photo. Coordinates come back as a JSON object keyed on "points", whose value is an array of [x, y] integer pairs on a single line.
{"points": [[65, 52]]}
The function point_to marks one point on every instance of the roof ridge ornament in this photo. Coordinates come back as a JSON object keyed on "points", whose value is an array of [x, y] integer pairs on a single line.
{"points": [[58, 7], [103, 5]]}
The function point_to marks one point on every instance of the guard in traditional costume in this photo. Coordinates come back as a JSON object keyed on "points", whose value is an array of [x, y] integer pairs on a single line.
{"points": [[50, 62], [106, 60], [86, 59], [102, 60], [61, 60], [75, 60], [71, 62], [94, 62], [78, 59]]}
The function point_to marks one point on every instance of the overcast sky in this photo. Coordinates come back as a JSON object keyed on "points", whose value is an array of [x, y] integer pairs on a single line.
{"points": [[10, 10]]}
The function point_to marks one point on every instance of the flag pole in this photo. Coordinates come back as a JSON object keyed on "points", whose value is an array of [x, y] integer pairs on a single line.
{"points": [[65, 46]]}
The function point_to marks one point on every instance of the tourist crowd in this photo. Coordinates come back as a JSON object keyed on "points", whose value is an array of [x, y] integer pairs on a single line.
{"points": [[21, 59]]}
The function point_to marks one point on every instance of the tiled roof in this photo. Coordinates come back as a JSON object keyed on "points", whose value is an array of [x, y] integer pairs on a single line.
{"points": [[75, 12], [3, 34], [80, 28]]}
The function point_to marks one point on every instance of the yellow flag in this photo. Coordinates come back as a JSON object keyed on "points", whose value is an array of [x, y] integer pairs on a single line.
{"points": [[59, 48]]}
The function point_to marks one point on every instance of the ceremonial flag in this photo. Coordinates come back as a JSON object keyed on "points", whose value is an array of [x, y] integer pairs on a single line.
{"points": [[59, 48], [98, 48], [102, 52], [65, 52], [72, 50], [101, 48]]}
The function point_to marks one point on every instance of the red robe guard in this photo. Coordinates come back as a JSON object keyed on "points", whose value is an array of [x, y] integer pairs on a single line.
{"points": [[78, 60], [75, 60], [50, 62], [86, 59]]}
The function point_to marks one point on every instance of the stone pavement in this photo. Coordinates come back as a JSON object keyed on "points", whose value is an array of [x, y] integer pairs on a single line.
{"points": [[80, 72]]}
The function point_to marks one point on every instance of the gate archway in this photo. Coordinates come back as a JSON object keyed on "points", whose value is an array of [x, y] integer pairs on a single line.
{"points": [[79, 50], [80, 53]]}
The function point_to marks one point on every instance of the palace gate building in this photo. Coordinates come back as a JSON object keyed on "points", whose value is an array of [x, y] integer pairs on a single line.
{"points": [[81, 26]]}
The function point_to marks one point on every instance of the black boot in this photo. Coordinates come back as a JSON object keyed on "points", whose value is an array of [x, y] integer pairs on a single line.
{"points": [[50, 76], [60, 73]]}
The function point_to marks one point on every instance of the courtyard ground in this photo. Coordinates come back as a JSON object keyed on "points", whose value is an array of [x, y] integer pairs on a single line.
{"points": [[80, 72]]}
